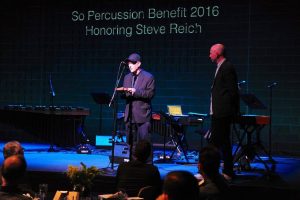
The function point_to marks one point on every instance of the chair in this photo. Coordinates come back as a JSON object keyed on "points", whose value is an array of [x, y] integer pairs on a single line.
{"points": [[149, 192]]}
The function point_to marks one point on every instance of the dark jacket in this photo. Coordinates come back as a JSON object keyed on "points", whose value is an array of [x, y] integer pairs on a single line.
{"points": [[225, 93], [13, 193], [141, 100], [134, 175]]}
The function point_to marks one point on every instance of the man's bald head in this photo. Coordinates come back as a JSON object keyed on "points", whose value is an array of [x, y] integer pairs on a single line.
{"points": [[217, 52], [219, 48], [181, 185], [13, 168]]}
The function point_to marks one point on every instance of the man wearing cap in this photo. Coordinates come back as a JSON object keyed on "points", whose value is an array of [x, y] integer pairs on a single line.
{"points": [[139, 87]]}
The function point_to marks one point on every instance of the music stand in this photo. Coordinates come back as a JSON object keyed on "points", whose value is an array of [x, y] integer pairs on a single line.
{"points": [[249, 151], [101, 99], [252, 101]]}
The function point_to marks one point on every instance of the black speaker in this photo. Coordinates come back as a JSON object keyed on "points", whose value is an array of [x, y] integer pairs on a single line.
{"points": [[121, 153]]}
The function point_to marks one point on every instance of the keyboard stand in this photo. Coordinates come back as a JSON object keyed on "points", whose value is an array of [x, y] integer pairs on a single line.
{"points": [[177, 137], [245, 153]]}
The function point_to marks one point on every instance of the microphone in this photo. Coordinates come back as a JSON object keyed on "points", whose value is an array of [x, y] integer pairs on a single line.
{"points": [[272, 85], [124, 63], [242, 82]]}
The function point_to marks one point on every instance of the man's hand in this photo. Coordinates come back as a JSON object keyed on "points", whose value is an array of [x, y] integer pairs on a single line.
{"points": [[129, 90]]}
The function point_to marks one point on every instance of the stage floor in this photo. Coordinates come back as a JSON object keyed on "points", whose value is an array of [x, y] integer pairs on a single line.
{"points": [[286, 176]]}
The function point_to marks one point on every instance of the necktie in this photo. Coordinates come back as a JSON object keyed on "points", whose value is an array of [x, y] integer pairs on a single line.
{"points": [[133, 80]]}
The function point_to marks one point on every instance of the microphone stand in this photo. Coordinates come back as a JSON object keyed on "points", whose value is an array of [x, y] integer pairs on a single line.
{"points": [[52, 93], [51, 108], [270, 113], [130, 134], [114, 100], [270, 125]]}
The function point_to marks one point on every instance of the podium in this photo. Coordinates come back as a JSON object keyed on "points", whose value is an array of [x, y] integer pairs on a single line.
{"points": [[101, 99]]}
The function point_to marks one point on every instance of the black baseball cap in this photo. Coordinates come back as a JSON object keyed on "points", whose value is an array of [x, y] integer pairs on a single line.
{"points": [[134, 57]]}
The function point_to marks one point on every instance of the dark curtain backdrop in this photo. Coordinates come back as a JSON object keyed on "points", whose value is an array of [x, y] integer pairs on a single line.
{"points": [[39, 38]]}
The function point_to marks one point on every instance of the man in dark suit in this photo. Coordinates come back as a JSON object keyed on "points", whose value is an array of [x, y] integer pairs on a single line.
{"points": [[139, 87], [224, 106]]}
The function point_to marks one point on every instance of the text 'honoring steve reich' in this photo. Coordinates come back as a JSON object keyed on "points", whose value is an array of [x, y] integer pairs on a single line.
{"points": [[151, 21]]}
